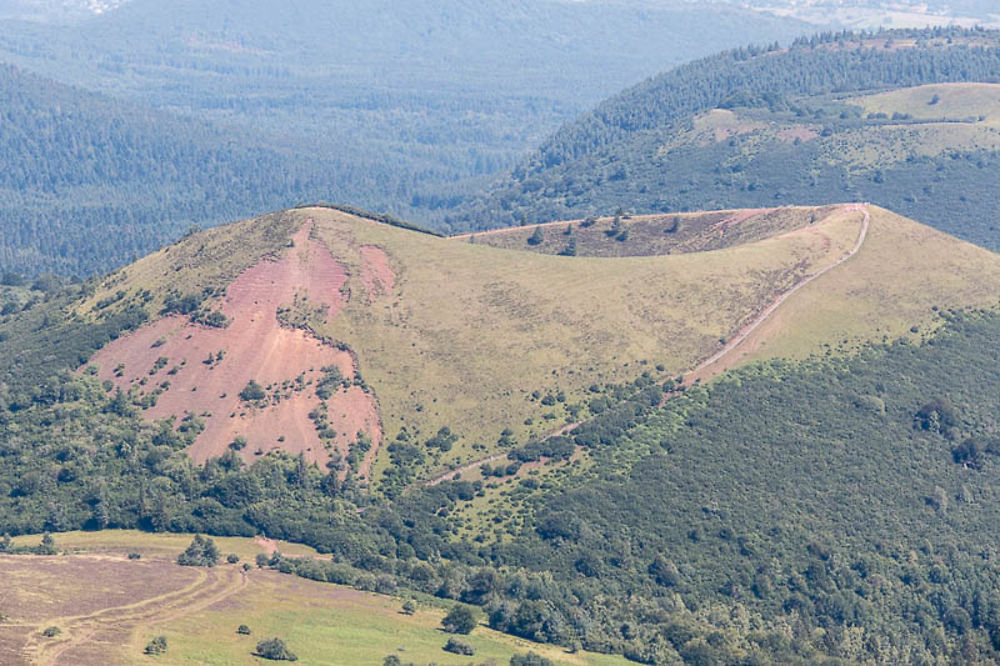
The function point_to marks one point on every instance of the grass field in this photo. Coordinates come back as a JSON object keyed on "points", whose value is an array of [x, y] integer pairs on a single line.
{"points": [[326, 624], [965, 102], [892, 288], [119, 541], [472, 331], [109, 607]]}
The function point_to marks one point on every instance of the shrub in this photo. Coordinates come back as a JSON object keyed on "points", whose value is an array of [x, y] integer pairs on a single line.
{"points": [[664, 572], [201, 553], [252, 391], [275, 649], [243, 630], [410, 607], [51, 632], [461, 620], [134, 556], [48, 545], [156, 646], [232, 558], [457, 646]]}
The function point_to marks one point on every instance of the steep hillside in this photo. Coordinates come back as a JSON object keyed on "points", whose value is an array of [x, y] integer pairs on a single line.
{"points": [[810, 124], [353, 331], [813, 510]]}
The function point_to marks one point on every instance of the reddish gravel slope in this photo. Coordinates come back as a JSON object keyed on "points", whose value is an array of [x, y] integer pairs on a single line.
{"points": [[254, 346]]}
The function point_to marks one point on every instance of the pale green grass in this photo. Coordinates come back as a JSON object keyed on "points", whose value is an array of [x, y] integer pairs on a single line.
{"points": [[328, 624], [471, 330], [956, 101], [872, 148], [903, 271], [159, 544]]}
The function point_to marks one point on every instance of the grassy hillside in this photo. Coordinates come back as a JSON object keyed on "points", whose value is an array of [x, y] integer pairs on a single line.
{"points": [[413, 311], [905, 120], [462, 349]]}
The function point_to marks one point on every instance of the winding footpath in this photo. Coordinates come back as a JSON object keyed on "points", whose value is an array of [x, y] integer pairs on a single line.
{"points": [[727, 349], [745, 332]]}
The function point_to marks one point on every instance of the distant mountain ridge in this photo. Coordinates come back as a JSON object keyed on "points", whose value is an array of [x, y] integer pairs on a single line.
{"points": [[415, 104], [629, 152]]}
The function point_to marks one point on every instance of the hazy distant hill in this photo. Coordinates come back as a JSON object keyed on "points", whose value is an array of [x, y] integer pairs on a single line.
{"points": [[89, 182], [438, 92], [784, 127]]}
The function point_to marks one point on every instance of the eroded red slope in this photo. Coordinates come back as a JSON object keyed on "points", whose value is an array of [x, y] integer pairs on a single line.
{"points": [[254, 346]]}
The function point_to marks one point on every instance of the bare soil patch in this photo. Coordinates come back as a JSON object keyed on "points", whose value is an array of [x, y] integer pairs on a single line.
{"points": [[376, 272], [77, 594], [201, 370]]}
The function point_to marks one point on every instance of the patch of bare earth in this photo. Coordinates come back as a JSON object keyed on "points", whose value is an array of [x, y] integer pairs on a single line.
{"points": [[739, 216], [797, 133], [93, 599], [376, 272], [202, 370]]}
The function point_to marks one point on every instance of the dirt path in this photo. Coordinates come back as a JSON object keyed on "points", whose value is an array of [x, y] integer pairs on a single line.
{"points": [[702, 370], [745, 332], [476, 464], [83, 632]]}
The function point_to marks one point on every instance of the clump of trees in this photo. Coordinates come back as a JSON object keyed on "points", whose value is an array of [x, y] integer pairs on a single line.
{"points": [[252, 391], [460, 620], [457, 646], [275, 650], [156, 646], [202, 552], [443, 440]]}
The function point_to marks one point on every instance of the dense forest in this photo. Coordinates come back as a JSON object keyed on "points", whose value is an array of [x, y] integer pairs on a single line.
{"points": [[397, 108], [620, 155], [90, 183], [839, 509]]}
